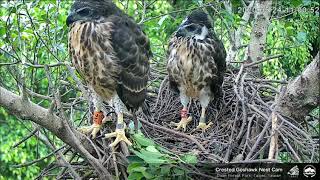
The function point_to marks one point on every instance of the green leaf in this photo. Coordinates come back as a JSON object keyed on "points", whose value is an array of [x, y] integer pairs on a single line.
{"points": [[288, 24], [162, 19], [290, 31], [132, 166], [143, 171], [301, 37], [138, 169], [152, 149], [2, 31], [151, 154], [139, 137], [135, 176], [189, 158], [134, 159], [296, 3], [306, 2], [165, 169], [178, 172], [150, 157]]}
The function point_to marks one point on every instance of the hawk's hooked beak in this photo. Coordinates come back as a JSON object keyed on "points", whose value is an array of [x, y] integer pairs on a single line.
{"points": [[71, 18], [181, 31], [182, 28]]}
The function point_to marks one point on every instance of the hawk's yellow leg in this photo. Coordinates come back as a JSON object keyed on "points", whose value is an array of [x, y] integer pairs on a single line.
{"points": [[119, 133], [202, 123]]}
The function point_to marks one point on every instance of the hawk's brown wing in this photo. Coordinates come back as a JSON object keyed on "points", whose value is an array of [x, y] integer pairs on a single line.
{"points": [[219, 55], [132, 48]]}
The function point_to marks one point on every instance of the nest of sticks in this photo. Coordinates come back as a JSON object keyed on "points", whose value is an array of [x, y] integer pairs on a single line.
{"points": [[245, 129]]}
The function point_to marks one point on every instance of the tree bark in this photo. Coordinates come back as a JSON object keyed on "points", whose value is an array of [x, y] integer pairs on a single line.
{"points": [[26, 110], [302, 94], [237, 35], [258, 35]]}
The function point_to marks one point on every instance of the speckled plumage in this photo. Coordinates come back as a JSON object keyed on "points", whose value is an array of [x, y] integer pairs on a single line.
{"points": [[196, 65], [110, 51]]}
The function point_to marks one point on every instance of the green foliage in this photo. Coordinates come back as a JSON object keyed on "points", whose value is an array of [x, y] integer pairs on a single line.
{"points": [[151, 161], [26, 152], [19, 38], [293, 40]]}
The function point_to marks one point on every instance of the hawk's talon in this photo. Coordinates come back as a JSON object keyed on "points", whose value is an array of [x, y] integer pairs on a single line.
{"points": [[203, 126], [120, 136], [182, 124], [92, 130]]}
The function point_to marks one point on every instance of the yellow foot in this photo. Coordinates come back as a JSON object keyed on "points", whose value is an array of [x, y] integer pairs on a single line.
{"points": [[182, 124], [120, 136], [92, 130], [203, 126]]}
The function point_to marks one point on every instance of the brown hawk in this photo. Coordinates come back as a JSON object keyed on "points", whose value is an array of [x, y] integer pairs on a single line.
{"points": [[111, 52], [196, 65]]}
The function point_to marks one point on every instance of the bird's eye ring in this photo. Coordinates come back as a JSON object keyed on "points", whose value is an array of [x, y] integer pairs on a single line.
{"points": [[84, 12]]}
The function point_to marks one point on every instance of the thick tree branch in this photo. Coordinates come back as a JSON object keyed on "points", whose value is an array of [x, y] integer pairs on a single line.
{"points": [[237, 35], [302, 94], [259, 30], [27, 110]]}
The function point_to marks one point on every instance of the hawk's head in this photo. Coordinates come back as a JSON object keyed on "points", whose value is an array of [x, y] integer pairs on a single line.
{"points": [[91, 10], [195, 25]]}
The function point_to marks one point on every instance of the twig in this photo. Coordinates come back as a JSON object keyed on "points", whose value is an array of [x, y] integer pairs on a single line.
{"points": [[9, 64], [266, 80], [274, 138], [78, 81], [266, 126], [263, 60], [290, 147], [178, 11], [38, 160], [26, 138], [115, 162], [43, 65], [256, 161], [174, 132]]}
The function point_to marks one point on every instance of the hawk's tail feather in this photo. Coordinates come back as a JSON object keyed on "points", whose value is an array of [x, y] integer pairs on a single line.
{"points": [[146, 109]]}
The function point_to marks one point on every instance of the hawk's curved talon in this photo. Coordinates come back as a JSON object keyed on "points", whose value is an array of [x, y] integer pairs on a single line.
{"points": [[120, 136], [203, 126], [182, 124], [93, 130]]}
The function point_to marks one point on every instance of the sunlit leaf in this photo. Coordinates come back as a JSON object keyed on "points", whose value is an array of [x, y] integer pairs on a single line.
{"points": [[139, 137], [301, 37]]}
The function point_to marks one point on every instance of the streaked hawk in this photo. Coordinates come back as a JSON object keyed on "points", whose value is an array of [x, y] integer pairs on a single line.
{"points": [[196, 65], [111, 52]]}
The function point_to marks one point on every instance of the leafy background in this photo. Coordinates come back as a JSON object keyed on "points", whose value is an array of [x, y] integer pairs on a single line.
{"points": [[34, 32]]}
